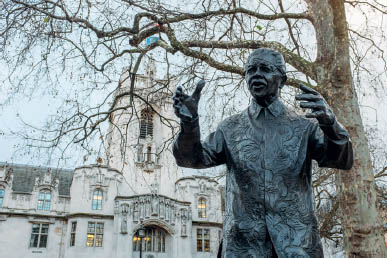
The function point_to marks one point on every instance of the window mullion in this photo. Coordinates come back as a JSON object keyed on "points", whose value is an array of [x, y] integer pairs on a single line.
{"points": [[203, 240], [39, 234]]}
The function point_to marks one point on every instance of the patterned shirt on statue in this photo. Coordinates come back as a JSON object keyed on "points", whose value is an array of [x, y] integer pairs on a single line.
{"points": [[268, 153]]}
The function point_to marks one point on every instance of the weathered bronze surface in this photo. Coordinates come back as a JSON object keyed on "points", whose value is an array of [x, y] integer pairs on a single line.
{"points": [[268, 149]]}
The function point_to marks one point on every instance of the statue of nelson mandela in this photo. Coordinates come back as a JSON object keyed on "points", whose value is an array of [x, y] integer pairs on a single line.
{"points": [[268, 149]]}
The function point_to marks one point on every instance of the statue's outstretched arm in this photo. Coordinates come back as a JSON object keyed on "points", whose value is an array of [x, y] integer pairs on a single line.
{"points": [[329, 142], [188, 149]]}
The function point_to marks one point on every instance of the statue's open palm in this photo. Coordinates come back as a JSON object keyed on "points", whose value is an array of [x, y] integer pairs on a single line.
{"points": [[186, 107]]}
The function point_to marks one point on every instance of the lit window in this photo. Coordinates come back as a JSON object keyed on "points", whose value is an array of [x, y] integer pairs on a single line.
{"points": [[44, 200], [97, 200], [1, 197], [154, 241], [203, 240], [202, 208], [39, 235], [94, 234], [72, 233], [146, 124]]}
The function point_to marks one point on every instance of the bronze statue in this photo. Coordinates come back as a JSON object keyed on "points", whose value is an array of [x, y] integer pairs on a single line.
{"points": [[268, 149]]}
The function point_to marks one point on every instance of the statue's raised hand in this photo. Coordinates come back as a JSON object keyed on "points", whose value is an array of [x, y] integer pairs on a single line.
{"points": [[186, 107], [320, 108]]}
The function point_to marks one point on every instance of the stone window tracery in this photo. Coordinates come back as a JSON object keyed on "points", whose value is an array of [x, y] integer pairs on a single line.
{"points": [[154, 241], [202, 208], [94, 234], [44, 200], [72, 233], [39, 235], [97, 199], [146, 123], [203, 240]]}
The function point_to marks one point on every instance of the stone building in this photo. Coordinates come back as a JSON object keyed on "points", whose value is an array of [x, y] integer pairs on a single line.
{"points": [[101, 210]]}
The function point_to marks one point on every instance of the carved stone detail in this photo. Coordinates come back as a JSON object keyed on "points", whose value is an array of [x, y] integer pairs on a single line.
{"points": [[183, 214], [124, 218], [153, 207], [135, 211]]}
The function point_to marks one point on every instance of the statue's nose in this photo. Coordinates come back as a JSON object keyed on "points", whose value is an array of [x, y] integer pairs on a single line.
{"points": [[258, 73]]}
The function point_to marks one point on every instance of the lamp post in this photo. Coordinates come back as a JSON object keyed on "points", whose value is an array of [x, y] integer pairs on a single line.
{"points": [[141, 235]]}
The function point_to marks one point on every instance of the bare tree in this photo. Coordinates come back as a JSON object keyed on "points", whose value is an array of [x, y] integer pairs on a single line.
{"points": [[98, 40]]}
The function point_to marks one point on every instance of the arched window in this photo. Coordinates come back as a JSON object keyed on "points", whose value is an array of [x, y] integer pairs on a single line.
{"points": [[1, 196], [44, 200], [146, 123], [202, 206], [154, 241], [97, 199]]}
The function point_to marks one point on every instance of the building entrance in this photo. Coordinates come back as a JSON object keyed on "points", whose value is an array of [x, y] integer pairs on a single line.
{"points": [[155, 244]]}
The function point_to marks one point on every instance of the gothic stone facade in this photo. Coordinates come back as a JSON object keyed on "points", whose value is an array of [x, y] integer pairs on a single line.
{"points": [[48, 212], [97, 210]]}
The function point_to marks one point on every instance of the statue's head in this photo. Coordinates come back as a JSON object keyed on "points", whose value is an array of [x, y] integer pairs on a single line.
{"points": [[265, 73]]}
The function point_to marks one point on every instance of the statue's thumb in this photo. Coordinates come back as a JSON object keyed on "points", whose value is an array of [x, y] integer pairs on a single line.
{"points": [[198, 90]]}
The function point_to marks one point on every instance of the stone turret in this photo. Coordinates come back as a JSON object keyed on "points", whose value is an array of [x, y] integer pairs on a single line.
{"points": [[138, 137]]}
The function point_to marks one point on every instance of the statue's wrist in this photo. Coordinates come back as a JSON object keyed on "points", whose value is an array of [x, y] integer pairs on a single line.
{"points": [[327, 121], [189, 125], [189, 119], [332, 130]]}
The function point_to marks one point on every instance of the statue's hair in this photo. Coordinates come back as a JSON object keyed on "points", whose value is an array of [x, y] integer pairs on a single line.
{"points": [[278, 59]]}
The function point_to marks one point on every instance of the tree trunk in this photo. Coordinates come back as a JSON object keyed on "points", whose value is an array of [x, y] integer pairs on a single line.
{"points": [[361, 223]]}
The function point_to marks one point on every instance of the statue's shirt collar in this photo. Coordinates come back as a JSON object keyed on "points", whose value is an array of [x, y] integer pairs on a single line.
{"points": [[275, 109]]}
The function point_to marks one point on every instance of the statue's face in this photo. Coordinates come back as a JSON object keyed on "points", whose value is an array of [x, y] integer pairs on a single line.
{"points": [[262, 77]]}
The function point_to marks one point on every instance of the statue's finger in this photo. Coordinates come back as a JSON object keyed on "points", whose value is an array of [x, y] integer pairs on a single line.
{"points": [[311, 115], [312, 105], [308, 90], [176, 97], [315, 114], [180, 96], [309, 97], [183, 97], [177, 104], [198, 90], [177, 93], [177, 112]]}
